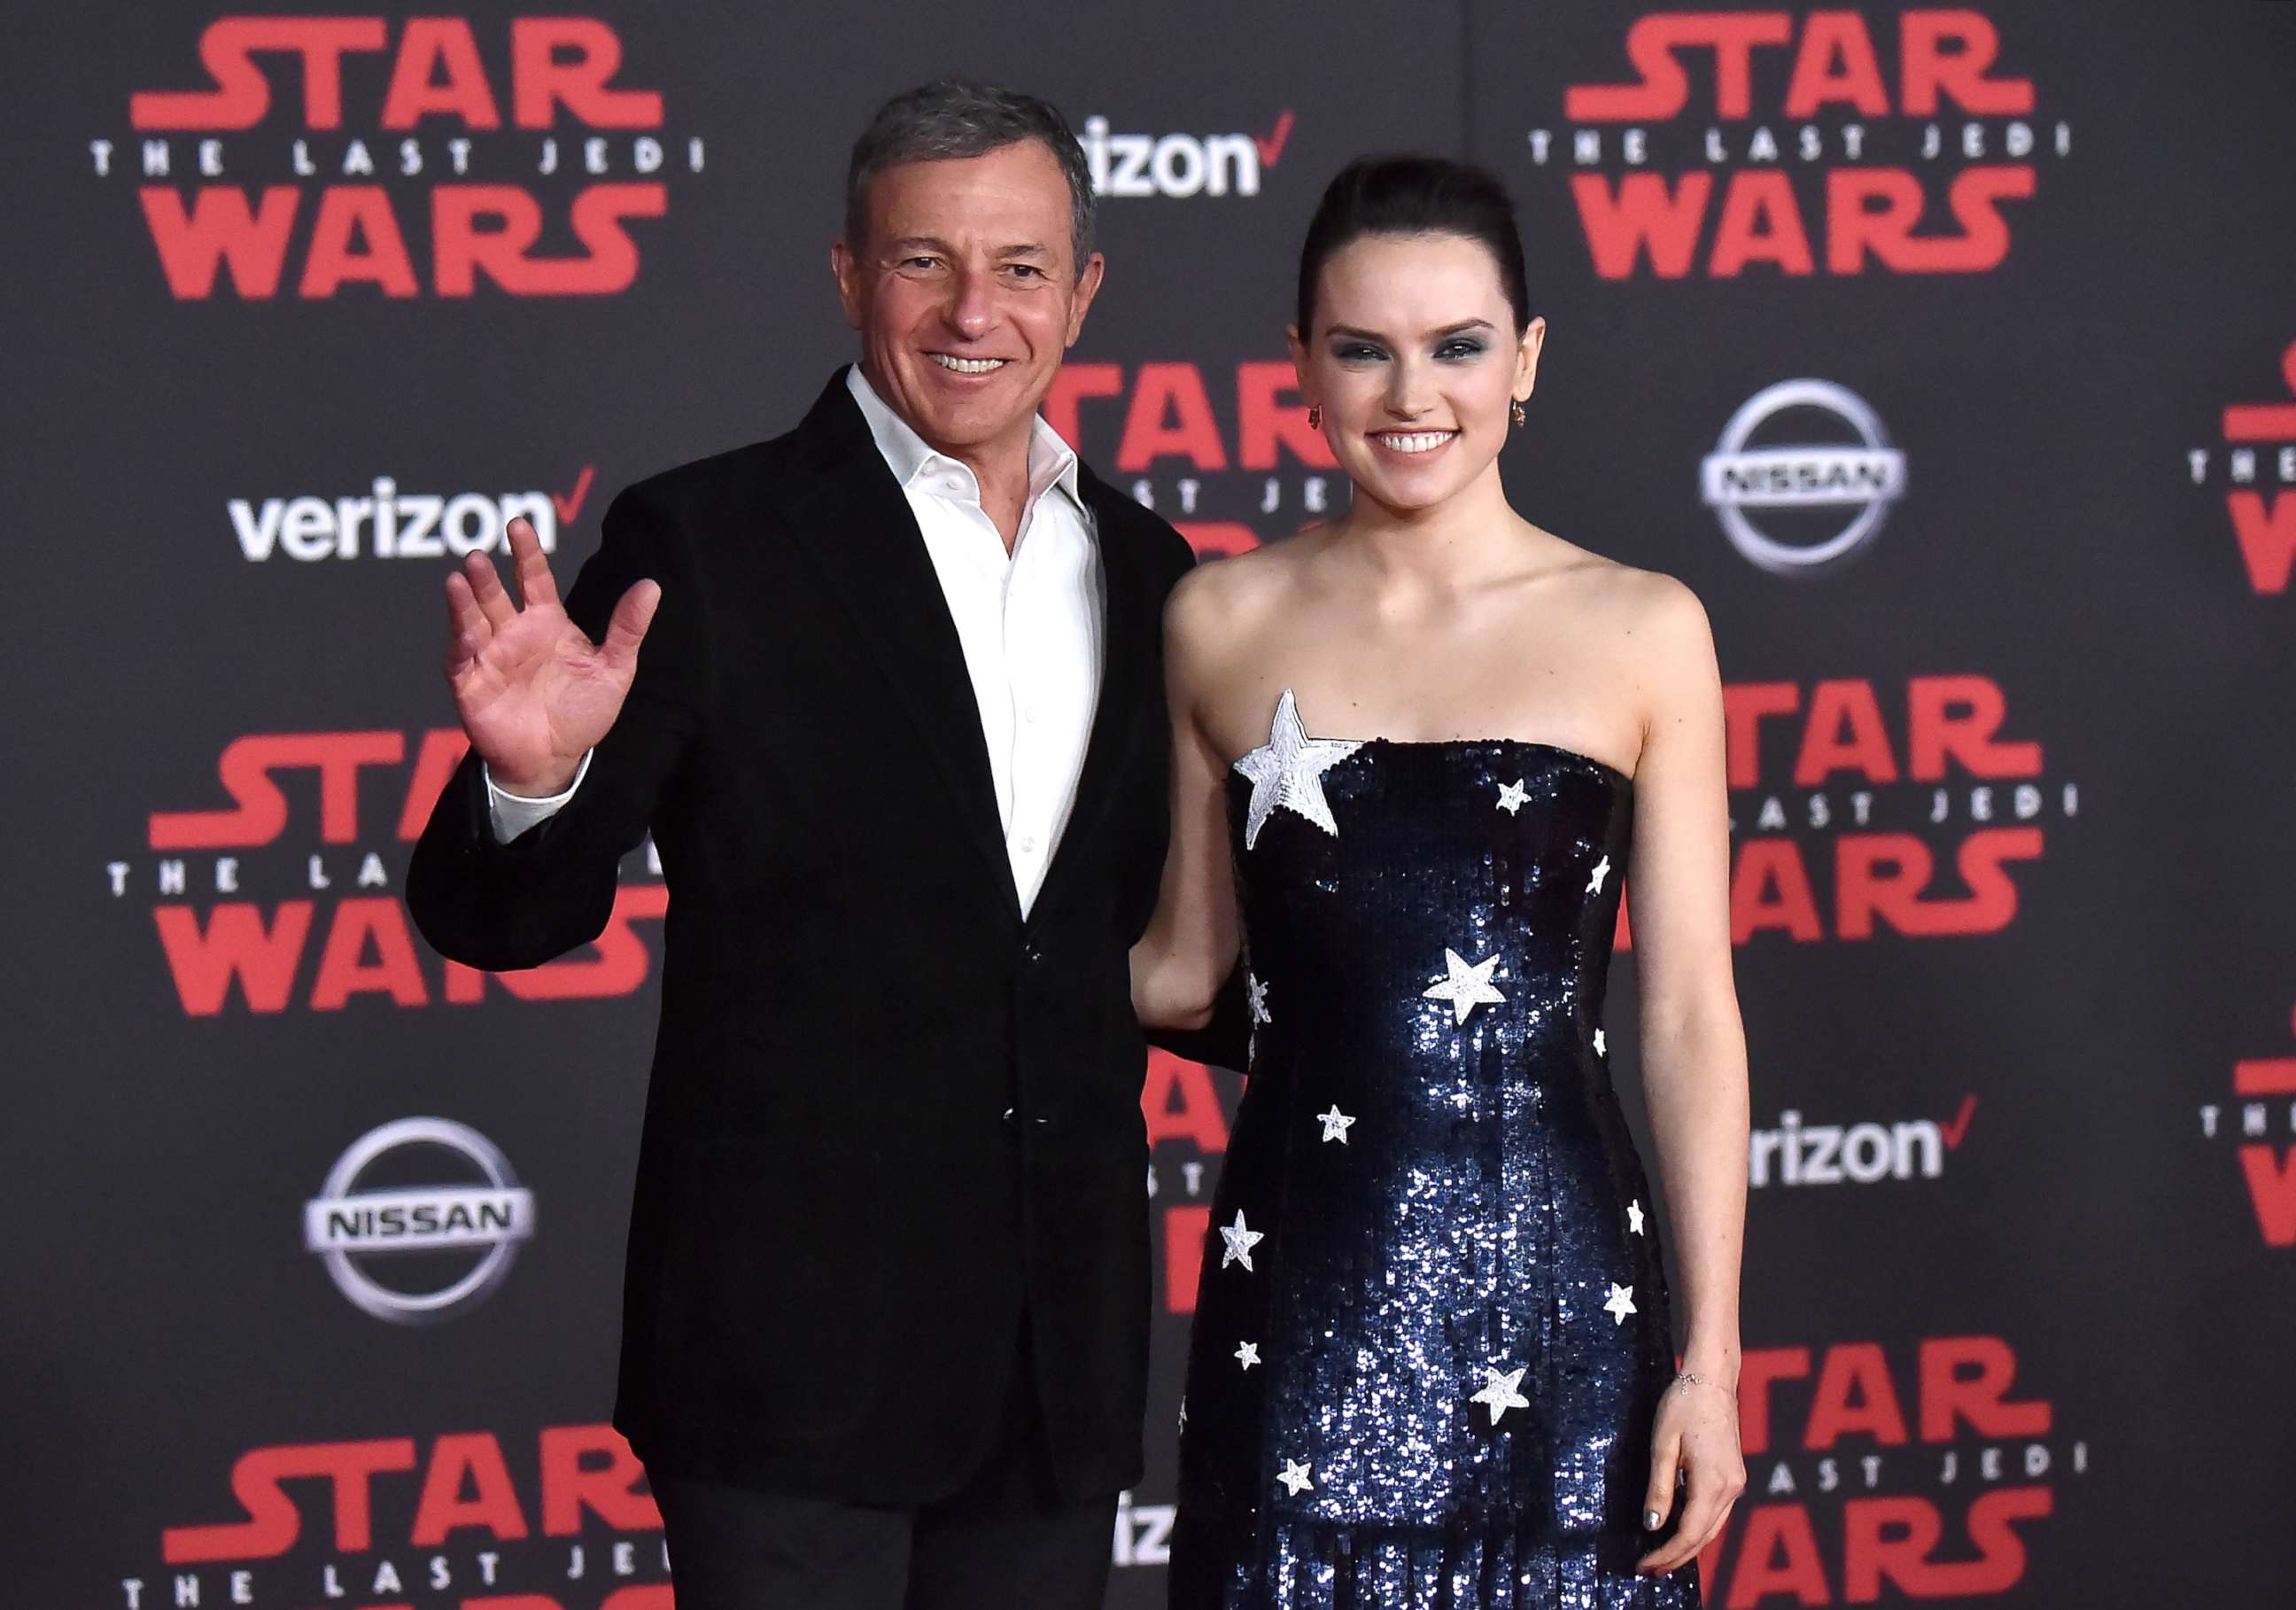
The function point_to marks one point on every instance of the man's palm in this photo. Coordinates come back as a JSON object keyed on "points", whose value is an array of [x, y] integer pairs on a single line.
{"points": [[534, 692]]}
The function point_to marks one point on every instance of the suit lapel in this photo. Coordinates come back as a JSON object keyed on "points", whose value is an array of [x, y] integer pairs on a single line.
{"points": [[1131, 619], [852, 516]]}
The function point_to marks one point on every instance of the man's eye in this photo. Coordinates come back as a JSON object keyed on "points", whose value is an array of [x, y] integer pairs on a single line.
{"points": [[1026, 270], [917, 262]]}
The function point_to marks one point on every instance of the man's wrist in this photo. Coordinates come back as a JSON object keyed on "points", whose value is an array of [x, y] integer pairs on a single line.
{"points": [[541, 785]]}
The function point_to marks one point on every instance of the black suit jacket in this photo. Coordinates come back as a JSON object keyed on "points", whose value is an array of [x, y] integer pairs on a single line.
{"points": [[887, 1113]]}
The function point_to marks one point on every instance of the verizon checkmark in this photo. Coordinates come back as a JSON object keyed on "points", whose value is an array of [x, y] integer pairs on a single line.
{"points": [[1272, 144], [1959, 1127], [571, 504]]}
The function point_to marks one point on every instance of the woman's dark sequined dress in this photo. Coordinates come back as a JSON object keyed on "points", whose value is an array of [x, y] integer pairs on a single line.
{"points": [[1432, 1327]]}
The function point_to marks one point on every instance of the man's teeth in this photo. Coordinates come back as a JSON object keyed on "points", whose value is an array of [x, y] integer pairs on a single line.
{"points": [[968, 365], [1417, 441]]}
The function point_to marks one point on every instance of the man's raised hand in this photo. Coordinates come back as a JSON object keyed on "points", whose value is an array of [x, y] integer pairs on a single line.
{"points": [[534, 692]]}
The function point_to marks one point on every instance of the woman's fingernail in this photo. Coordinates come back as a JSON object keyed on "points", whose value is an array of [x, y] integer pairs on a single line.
{"points": [[1650, 1520]]}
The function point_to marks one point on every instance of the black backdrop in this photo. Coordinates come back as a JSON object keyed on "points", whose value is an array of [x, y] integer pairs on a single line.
{"points": [[2011, 776]]}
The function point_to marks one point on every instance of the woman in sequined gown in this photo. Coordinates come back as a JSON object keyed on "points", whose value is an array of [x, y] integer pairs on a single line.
{"points": [[1421, 752]]}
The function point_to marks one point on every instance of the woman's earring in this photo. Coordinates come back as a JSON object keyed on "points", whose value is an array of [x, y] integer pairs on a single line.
{"points": [[1316, 416], [1520, 418]]}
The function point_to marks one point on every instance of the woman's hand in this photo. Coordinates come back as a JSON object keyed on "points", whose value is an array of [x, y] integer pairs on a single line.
{"points": [[1696, 1432]]}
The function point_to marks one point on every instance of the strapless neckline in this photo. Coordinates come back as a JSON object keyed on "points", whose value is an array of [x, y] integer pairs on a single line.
{"points": [[1537, 745]]}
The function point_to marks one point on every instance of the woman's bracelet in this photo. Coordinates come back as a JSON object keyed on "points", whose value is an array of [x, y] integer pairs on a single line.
{"points": [[1696, 1380]]}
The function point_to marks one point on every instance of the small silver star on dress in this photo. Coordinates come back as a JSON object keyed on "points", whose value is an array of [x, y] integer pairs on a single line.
{"points": [[1255, 989], [1240, 1239], [1467, 987], [1513, 796], [1287, 771], [1622, 1303], [1335, 1124], [1502, 1391], [1599, 1048], [1295, 1476], [1247, 1353], [1634, 1217], [1602, 871]]}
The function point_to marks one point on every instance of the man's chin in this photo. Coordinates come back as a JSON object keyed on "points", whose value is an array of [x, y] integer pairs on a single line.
{"points": [[969, 421]]}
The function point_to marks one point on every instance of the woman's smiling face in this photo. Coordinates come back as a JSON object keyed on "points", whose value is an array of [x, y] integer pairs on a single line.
{"points": [[1416, 363]]}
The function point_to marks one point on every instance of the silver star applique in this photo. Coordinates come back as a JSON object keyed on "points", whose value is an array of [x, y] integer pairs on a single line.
{"points": [[1240, 1239], [1602, 871], [1620, 1304], [1247, 1353], [1634, 1217], [1468, 985], [1502, 1391], [1256, 992], [1287, 771], [1513, 796], [1295, 1476], [1335, 1123]]}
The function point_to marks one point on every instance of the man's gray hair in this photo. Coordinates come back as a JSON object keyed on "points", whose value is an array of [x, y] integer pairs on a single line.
{"points": [[951, 119]]}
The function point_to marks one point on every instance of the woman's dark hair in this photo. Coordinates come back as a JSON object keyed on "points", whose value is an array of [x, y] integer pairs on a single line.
{"points": [[1414, 195]]}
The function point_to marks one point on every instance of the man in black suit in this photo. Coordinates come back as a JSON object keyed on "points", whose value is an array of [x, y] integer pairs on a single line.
{"points": [[898, 729]]}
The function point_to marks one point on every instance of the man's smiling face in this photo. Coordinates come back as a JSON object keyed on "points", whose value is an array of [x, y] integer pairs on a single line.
{"points": [[966, 292]]}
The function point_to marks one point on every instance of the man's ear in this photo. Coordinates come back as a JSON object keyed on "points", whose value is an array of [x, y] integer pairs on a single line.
{"points": [[1087, 286], [847, 268]]}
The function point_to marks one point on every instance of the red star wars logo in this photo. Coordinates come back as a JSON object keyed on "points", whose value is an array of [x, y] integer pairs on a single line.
{"points": [[1850, 821], [1910, 1471], [2260, 1122], [1226, 470], [453, 1527], [1801, 145], [334, 152], [2256, 468], [312, 922]]}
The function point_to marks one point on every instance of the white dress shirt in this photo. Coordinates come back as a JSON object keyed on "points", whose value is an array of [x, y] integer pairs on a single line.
{"points": [[1030, 624]]}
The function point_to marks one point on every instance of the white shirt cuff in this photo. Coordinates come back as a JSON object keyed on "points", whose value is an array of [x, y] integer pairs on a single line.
{"points": [[512, 813]]}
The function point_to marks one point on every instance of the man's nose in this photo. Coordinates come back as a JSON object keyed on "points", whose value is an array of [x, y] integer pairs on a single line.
{"points": [[971, 309]]}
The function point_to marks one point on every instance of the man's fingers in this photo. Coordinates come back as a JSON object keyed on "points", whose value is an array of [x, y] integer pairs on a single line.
{"points": [[627, 629], [466, 622], [535, 584], [487, 588]]}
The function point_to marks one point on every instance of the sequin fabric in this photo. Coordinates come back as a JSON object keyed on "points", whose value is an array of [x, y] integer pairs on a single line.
{"points": [[1431, 1384]]}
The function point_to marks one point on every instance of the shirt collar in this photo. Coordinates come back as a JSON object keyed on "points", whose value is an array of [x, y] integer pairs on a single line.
{"points": [[1052, 462]]}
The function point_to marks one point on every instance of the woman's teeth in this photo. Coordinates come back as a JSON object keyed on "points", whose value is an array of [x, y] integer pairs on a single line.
{"points": [[1415, 441], [968, 365]]}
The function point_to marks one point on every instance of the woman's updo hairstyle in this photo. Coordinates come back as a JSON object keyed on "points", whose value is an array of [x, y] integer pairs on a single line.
{"points": [[1414, 195]]}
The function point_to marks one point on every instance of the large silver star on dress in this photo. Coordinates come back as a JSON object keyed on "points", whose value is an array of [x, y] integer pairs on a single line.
{"points": [[1288, 770], [1247, 1353], [1467, 987], [1240, 1241], [1256, 991], [1634, 1217], [1502, 1391], [1513, 796], [1622, 1303], [1335, 1123], [1602, 871], [1295, 1476]]}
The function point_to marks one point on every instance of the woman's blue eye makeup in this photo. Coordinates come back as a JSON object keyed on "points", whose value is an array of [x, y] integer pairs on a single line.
{"points": [[1460, 348]]}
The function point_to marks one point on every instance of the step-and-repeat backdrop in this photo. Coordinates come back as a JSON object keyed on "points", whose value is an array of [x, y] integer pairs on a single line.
{"points": [[1948, 352]]}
